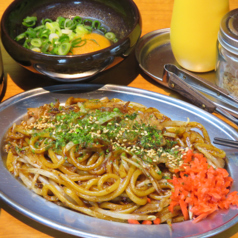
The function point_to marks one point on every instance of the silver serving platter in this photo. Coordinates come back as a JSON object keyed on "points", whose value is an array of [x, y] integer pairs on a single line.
{"points": [[37, 208]]}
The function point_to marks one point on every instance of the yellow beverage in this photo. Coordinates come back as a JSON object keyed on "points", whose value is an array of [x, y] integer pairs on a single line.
{"points": [[194, 29]]}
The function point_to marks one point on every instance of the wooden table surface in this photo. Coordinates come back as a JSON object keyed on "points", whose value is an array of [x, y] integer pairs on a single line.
{"points": [[156, 14]]}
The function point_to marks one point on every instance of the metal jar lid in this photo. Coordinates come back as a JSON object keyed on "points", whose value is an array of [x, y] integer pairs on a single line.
{"points": [[228, 33]]}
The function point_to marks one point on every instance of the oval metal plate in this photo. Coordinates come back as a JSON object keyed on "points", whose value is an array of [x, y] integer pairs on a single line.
{"points": [[153, 51], [71, 222]]}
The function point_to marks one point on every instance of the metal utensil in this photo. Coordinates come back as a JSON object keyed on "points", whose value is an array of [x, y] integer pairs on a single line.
{"points": [[173, 78], [226, 142], [153, 51], [204, 85]]}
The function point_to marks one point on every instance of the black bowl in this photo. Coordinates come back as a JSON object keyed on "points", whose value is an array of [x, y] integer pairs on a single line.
{"points": [[120, 16]]}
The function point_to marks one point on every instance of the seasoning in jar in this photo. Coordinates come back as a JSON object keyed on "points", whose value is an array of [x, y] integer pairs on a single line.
{"points": [[227, 53]]}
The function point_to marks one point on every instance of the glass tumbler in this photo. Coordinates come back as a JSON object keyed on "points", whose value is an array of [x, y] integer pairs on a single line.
{"points": [[194, 29], [227, 53]]}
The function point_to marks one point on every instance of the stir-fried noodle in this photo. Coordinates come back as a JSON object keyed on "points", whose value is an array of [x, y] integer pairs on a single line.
{"points": [[109, 159]]}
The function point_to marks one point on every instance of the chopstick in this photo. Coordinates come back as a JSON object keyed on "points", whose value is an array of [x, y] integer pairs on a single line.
{"points": [[226, 142]]}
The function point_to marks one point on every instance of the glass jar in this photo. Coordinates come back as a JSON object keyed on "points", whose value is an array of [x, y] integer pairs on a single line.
{"points": [[227, 53]]}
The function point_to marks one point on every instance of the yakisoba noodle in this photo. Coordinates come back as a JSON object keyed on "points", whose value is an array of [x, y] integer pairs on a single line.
{"points": [[109, 159]]}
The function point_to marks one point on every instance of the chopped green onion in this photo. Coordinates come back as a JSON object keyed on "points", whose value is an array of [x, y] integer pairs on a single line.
{"points": [[89, 28], [53, 37], [103, 30], [60, 36], [38, 28], [88, 22], [30, 33], [64, 38], [96, 25], [20, 37], [77, 20], [53, 27], [36, 42], [29, 21], [45, 48], [55, 42], [44, 21], [78, 42], [81, 30], [61, 21], [64, 48], [66, 31], [69, 24], [27, 43], [94, 41], [44, 34], [110, 36], [55, 51], [71, 36], [36, 49], [115, 40]]}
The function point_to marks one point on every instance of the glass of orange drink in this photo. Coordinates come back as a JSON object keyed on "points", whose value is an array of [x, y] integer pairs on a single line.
{"points": [[194, 29]]}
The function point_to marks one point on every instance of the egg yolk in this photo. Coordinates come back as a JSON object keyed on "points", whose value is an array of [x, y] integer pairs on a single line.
{"points": [[94, 42]]}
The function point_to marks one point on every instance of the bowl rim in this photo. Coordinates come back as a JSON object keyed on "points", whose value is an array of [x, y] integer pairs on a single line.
{"points": [[109, 48]]}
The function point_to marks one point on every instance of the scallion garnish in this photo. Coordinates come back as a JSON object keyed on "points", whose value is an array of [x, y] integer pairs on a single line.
{"points": [[45, 20], [103, 30], [61, 21], [96, 25], [110, 36], [36, 42], [78, 42], [77, 20], [64, 48], [20, 37], [87, 22], [29, 21], [61, 36]]}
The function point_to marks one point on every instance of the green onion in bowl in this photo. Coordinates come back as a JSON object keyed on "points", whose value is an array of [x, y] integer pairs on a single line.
{"points": [[61, 36]]}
